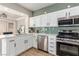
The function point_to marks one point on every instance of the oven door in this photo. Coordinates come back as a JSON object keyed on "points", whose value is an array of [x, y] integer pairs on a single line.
{"points": [[66, 49]]}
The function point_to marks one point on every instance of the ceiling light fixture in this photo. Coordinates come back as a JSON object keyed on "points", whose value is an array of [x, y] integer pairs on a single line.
{"points": [[3, 15], [68, 6], [45, 12]]}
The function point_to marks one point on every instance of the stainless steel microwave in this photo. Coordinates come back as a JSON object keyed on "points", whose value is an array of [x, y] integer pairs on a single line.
{"points": [[65, 22]]}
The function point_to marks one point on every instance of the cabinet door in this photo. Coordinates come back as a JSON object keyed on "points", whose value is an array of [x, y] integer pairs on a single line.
{"points": [[12, 46], [52, 19], [61, 13], [22, 45], [37, 21], [35, 41], [30, 41], [74, 11], [19, 45], [32, 24], [26, 44], [43, 20]]}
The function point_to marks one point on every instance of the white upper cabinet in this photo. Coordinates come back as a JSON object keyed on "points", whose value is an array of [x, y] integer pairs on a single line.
{"points": [[68, 12], [35, 21], [61, 13], [74, 11], [52, 20], [32, 22], [43, 20]]}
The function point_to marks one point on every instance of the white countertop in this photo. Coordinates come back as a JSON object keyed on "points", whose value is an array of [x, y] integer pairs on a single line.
{"points": [[4, 36]]}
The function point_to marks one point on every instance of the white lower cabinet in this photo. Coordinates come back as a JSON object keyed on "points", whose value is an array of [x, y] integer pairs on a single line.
{"points": [[12, 46], [35, 42], [23, 42], [52, 44], [26, 44], [20, 46], [30, 42], [8, 46]]}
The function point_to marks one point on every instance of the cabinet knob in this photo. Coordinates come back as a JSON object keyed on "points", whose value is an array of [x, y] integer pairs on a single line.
{"points": [[26, 41], [11, 40], [15, 45]]}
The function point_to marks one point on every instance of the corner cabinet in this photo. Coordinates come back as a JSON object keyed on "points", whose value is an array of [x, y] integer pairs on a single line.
{"points": [[32, 22], [23, 42], [35, 21]]}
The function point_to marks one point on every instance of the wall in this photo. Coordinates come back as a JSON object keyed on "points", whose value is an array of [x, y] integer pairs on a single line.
{"points": [[53, 8], [17, 7], [23, 21]]}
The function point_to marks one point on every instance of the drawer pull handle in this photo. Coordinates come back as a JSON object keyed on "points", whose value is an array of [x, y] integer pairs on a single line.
{"points": [[11, 40], [51, 43], [51, 46], [51, 50], [15, 45], [51, 39]]}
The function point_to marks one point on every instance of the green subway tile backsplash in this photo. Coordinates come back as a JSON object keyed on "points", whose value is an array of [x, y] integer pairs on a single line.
{"points": [[55, 30], [47, 30]]}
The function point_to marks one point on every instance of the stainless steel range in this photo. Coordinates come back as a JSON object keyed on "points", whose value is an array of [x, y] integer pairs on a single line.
{"points": [[68, 43]]}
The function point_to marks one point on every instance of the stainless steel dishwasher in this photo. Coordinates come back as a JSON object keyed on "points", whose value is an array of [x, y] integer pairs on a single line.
{"points": [[42, 42]]}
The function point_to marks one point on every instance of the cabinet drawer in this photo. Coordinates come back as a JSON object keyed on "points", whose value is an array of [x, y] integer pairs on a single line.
{"points": [[52, 52], [52, 47], [25, 41], [52, 43], [52, 39]]}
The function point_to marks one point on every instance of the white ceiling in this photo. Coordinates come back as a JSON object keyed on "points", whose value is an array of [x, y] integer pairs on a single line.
{"points": [[11, 14], [35, 6]]}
